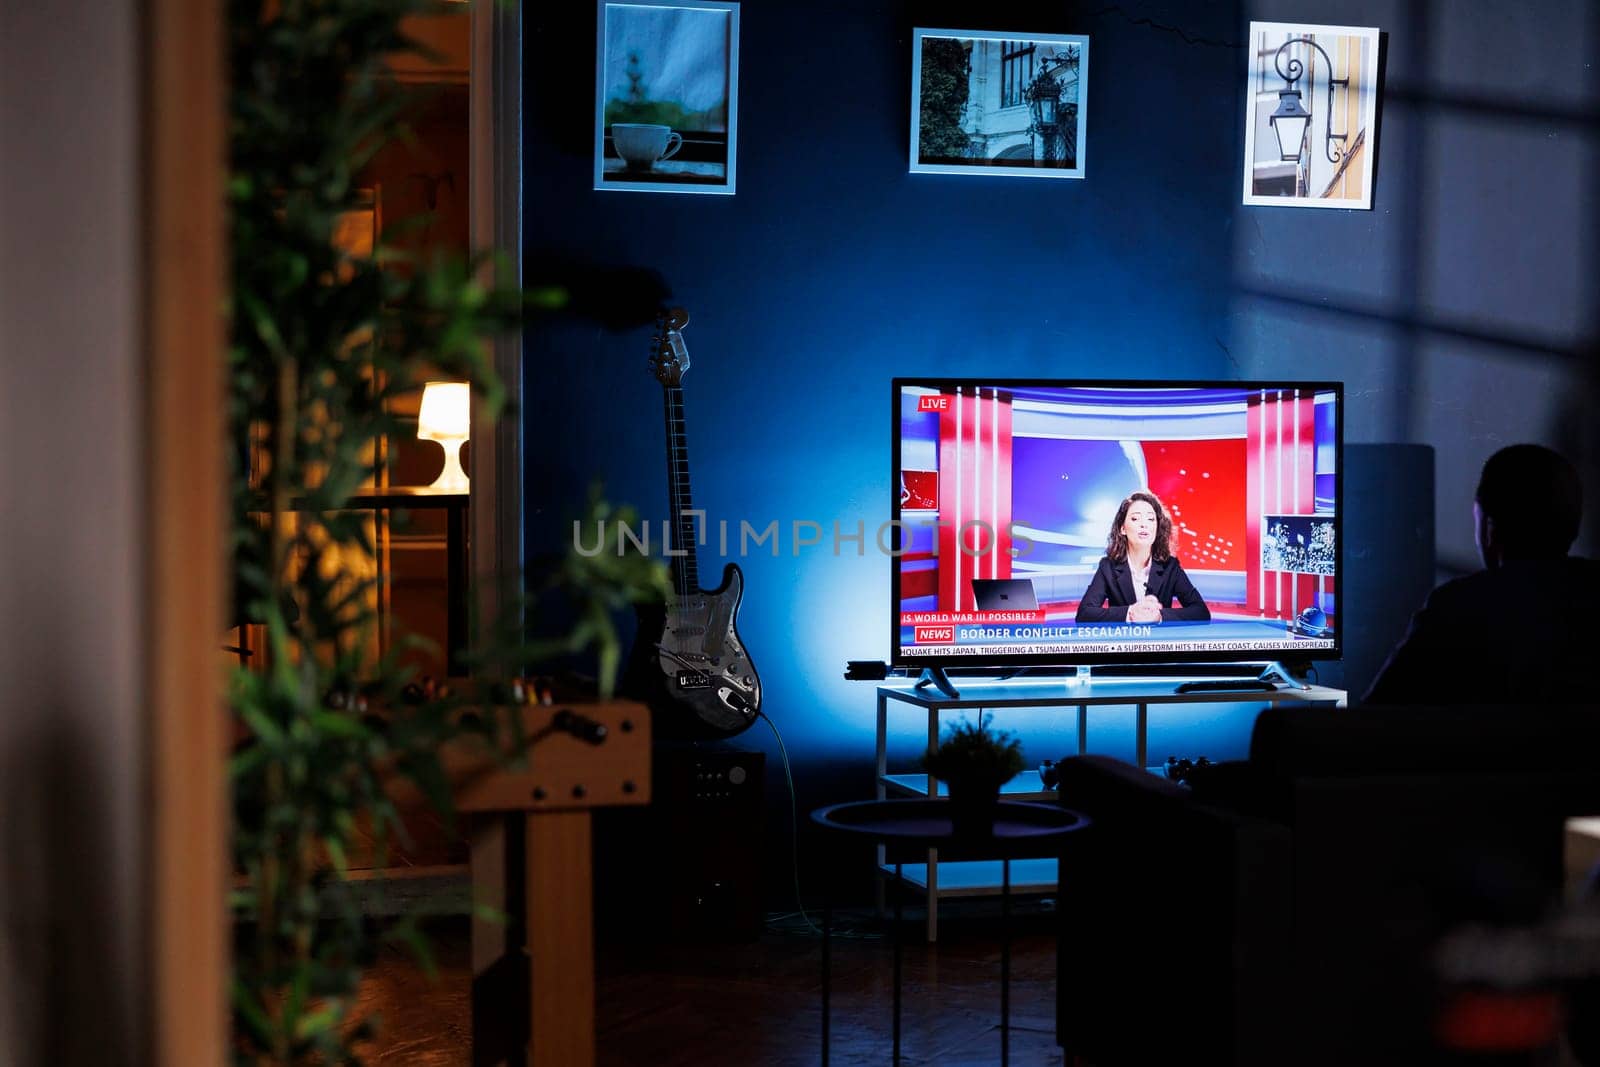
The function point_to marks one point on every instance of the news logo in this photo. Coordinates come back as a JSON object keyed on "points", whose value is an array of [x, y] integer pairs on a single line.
{"points": [[934, 635]]}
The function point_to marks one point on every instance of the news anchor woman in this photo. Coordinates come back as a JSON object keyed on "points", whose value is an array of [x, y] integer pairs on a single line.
{"points": [[1139, 578]]}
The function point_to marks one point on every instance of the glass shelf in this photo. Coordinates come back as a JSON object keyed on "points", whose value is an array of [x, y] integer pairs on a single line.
{"points": [[1025, 786], [980, 877]]}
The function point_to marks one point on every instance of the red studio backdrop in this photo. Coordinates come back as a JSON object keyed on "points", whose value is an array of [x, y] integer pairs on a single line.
{"points": [[919, 490], [1202, 484], [1281, 476], [974, 493]]}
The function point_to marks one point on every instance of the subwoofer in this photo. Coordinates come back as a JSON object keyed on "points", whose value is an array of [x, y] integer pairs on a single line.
{"points": [[690, 865]]}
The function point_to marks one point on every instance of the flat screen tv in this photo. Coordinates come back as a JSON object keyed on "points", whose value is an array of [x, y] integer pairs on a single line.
{"points": [[1007, 492]]}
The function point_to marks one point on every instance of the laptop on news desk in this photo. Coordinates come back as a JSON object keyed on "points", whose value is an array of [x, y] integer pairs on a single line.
{"points": [[1004, 594]]}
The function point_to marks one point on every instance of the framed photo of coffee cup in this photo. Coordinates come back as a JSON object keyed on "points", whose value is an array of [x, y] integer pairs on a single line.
{"points": [[998, 103], [667, 96]]}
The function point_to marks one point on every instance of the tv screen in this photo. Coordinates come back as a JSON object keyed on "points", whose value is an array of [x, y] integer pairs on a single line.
{"points": [[1057, 522]]}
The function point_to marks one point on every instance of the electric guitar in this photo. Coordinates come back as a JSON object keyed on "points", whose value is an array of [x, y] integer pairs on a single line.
{"points": [[699, 665]]}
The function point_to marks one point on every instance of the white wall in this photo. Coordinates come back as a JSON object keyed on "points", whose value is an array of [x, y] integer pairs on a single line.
{"points": [[72, 801]]}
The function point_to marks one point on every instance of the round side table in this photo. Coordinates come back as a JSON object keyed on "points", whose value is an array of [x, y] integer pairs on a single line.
{"points": [[1018, 829]]}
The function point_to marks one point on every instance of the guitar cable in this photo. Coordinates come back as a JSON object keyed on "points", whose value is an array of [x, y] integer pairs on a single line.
{"points": [[794, 824], [842, 931]]}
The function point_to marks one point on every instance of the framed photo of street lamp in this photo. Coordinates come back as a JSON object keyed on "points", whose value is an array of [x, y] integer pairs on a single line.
{"points": [[1311, 115], [667, 96], [998, 103]]}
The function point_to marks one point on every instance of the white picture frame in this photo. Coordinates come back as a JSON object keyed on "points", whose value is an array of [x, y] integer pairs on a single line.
{"points": [[980, 117], [667, 96], [1339, 140]]}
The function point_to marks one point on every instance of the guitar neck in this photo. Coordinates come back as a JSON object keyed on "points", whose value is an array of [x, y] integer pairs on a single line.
{"points": [[685, 573]]}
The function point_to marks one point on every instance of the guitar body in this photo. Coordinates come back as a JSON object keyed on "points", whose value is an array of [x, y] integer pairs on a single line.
{"points": [[688, 662], [702, 680]]}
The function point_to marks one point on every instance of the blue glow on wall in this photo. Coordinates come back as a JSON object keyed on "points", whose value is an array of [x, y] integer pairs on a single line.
{"points": [[833, 270]]}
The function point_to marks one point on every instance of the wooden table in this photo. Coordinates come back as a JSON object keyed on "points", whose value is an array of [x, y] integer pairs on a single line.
{"points": [[532, 870]]}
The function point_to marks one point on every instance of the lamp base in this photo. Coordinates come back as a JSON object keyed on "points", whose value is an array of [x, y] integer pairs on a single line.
{"points": [[452, 479]]}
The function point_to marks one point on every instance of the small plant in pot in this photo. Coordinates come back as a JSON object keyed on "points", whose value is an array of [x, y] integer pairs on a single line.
{"points": [[974, 761]]}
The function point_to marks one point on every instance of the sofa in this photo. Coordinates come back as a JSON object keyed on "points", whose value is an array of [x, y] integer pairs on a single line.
{"points": [[1285, 909]]}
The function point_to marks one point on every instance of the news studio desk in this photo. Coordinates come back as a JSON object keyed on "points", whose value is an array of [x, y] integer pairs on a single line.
{"points": [[982, 878]]}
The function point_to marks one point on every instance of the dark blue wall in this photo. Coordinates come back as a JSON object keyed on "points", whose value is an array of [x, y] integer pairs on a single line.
{"points": [[834, 269]]}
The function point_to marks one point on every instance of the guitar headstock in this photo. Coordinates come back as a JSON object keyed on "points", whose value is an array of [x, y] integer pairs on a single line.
{"points": [[669, 356]]}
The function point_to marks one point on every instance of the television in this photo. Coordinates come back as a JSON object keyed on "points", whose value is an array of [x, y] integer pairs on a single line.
{"points": [[1006, 492]]}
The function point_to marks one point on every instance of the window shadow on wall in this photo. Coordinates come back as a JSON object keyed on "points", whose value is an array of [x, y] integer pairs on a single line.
{"points": [[1461, 311]]}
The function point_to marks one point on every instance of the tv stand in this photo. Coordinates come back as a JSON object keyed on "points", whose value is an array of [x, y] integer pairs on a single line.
{"points": [[939, 678], [936, 677], [1277, 668], [1263, 681], [1074, 696]]}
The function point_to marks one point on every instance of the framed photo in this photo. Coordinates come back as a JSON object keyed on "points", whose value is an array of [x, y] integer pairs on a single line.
{"points": [[998, 103], [1310, 121], [667, 96]]}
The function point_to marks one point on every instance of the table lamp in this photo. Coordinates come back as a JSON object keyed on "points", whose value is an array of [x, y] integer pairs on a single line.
{"points": [[446, 417]]}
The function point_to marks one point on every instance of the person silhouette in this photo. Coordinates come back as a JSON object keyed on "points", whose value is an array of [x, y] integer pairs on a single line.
{"points": [[1525, 627]]}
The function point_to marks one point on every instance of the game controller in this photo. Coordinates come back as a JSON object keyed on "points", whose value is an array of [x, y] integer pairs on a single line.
{"points": [[1049, 774], [1182, 770]]}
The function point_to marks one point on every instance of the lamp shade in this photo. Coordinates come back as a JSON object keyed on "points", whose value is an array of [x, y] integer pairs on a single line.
{"points": [[1289, 123], [446, 417], [446, 413]]}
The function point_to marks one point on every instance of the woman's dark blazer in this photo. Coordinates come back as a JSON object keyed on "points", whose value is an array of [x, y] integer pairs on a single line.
{"points": [[1113, 586]]}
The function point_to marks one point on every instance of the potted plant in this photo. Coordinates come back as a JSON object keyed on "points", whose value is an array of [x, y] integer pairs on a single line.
{"points": [[323, 341], [974, 761]]}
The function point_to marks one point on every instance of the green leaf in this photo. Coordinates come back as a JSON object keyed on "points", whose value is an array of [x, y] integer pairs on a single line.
{"points": [[321, 1021], [323, 347], [336, 724], [409, 935], [265, 730], [248, 1009]]}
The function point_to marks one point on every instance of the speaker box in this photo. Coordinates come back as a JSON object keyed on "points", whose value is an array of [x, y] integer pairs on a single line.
{"points": [[1388, 555], [690, 865]]}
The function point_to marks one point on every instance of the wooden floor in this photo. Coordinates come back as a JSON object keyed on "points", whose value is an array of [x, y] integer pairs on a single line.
{"points": [[666, 1005]]}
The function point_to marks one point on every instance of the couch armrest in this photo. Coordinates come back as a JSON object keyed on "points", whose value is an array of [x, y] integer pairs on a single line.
{"points": [[1106, 788], [1174, 909]]}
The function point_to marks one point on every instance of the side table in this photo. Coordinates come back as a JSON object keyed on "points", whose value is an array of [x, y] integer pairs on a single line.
{"points": [[1018, 829], [458, 578]]}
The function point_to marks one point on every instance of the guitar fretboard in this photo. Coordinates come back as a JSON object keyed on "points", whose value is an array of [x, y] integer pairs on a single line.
{"points": [[685, 574]]}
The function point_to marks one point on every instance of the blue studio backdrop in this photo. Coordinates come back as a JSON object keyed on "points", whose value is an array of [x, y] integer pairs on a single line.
{"points": [[833, 269]]}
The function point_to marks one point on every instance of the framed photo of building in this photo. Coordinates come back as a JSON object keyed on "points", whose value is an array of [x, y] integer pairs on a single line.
{"points": [[667, 96], [998, 103], [1310, 122]]}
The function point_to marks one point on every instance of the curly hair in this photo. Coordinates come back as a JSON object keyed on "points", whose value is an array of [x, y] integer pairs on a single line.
{"points": [[1117, 542]]}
